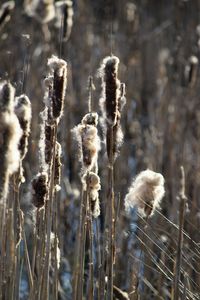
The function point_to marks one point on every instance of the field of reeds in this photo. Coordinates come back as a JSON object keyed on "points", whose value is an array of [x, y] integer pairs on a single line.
{"points": [[99, 149]]}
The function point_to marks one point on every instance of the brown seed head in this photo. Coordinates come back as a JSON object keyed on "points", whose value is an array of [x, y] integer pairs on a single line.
{"points": [[23, 112], [39, 189], [58, 68]]}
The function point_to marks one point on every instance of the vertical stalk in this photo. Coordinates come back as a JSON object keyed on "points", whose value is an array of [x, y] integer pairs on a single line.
{"points": [[177, 268], [82, 246], [110, 220], [91, 264], [49, 216]]}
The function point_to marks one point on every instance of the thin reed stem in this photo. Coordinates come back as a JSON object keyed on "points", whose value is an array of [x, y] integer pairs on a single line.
{"points": [[177, 267], [49, 209], [91, 259]]}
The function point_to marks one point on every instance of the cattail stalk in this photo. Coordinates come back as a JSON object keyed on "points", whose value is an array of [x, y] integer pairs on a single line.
{"points": [[86, 134], [10, 135], [110, 109], [177, 267], [58, 70]]}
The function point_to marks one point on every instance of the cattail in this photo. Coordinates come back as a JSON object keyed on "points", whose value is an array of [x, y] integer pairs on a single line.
{"points": [[112, 102], [10, 135], [88, 139], [111, 88], [58, 165], [42, 10], [146, 193], [64, 12], [23, 112], [5, 12], [7, 93], [39, 189], [91, 182], [58, 67]]}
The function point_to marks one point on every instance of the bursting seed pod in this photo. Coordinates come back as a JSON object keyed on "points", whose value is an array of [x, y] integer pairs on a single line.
{"points": [[89, 143], [91, 182], [10, 135], [112, 102], [23, 112], [58, 68], [111, 88], [39, 189], [7, 93], [146, 193]]}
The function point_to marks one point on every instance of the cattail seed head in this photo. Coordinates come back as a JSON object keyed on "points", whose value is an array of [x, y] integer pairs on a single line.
{"points": [[111, 88], [112, 102], [39, 189], [58, 68], [146, 193], [10, 135], [7, 93], [23, 112], [89, 142], [91, 182], [90, 119]]}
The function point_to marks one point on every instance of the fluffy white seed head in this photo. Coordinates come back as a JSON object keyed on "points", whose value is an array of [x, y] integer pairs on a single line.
{"points": [[87, 137], [90, 119], [23, 111], [91, 182], [58, 68], [145, 193], [110, 89], [23, 107], [90, 145], [56, 64], [10, 123], [7, 92]]}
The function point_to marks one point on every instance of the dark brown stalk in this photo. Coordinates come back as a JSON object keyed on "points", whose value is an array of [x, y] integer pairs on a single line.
{"points": [[49, 210], [55, 230], [98, 254], [178, 262], [110, 221], [91, 261], [82, 244]]}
